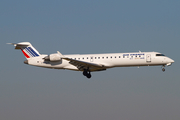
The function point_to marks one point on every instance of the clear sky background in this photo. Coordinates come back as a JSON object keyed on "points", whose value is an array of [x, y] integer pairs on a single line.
{"points": [[93, 26]]}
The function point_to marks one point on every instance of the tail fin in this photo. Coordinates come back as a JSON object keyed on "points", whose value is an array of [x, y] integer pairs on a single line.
{"points": [[27, 49]]}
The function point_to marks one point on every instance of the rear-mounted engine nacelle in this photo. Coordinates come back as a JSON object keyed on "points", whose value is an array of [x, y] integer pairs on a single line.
{"points": [[53, 57]]}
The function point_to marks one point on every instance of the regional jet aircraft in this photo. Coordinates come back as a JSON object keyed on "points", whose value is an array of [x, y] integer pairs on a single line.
{"points": [[88, 63]]}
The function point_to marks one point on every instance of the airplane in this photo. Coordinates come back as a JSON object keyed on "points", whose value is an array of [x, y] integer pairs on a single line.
{"points": [[88, 63]]}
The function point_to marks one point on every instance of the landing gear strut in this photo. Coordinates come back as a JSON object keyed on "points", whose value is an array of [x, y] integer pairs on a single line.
{"points": [[87, 73], [163, 69]]}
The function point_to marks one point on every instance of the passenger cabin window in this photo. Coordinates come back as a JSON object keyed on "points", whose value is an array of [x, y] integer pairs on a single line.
{"points": [[160, 55]]}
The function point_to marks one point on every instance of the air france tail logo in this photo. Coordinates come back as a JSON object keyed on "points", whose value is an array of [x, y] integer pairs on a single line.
{"points": [[30, 51]]}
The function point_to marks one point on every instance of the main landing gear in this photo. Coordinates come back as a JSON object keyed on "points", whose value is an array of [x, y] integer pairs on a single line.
{"points": [[87, 73]]}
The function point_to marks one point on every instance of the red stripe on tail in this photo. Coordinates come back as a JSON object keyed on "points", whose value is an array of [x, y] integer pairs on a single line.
{"points": [[27, 56]]}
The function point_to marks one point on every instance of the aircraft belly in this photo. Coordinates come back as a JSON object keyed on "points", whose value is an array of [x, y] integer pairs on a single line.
{"points": [[48, 64]]}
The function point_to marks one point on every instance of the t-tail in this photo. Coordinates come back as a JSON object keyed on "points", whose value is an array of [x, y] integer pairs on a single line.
{"points": [[27, 49]]}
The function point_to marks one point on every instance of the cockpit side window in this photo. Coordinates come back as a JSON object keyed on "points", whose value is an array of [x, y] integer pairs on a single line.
{"points": [[160, 55]]}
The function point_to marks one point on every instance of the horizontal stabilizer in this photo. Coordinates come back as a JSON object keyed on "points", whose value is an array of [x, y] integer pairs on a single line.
{"points": [[20, 45]]}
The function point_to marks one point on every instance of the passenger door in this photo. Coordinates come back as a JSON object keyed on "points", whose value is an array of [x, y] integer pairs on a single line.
{"points": [[148, 58]]}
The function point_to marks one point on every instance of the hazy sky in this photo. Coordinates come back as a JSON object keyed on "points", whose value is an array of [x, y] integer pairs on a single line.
{"points": [[96, 26]]}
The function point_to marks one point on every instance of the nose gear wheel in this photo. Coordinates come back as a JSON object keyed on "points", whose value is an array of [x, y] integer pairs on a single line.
{"points": [[163, 69]]}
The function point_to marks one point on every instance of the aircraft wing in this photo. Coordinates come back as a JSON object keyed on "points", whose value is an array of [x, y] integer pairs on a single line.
{"points": [[81, 65]]}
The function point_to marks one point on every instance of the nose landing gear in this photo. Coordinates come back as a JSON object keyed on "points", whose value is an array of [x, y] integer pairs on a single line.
{"points": [[163, 69], [87, 73]]}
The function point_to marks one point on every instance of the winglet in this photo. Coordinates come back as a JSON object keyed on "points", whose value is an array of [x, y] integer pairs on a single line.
{"points": [[62, 56]]}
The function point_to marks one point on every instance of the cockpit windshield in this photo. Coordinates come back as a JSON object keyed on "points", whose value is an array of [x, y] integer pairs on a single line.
{"points": [[160, 55]]}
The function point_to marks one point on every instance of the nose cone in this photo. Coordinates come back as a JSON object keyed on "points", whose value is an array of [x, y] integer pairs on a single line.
{"points": [[171, 60]]}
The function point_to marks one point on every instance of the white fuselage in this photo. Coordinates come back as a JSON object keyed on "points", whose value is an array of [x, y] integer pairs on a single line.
{"points": [[88, 63], [106, 60]]}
